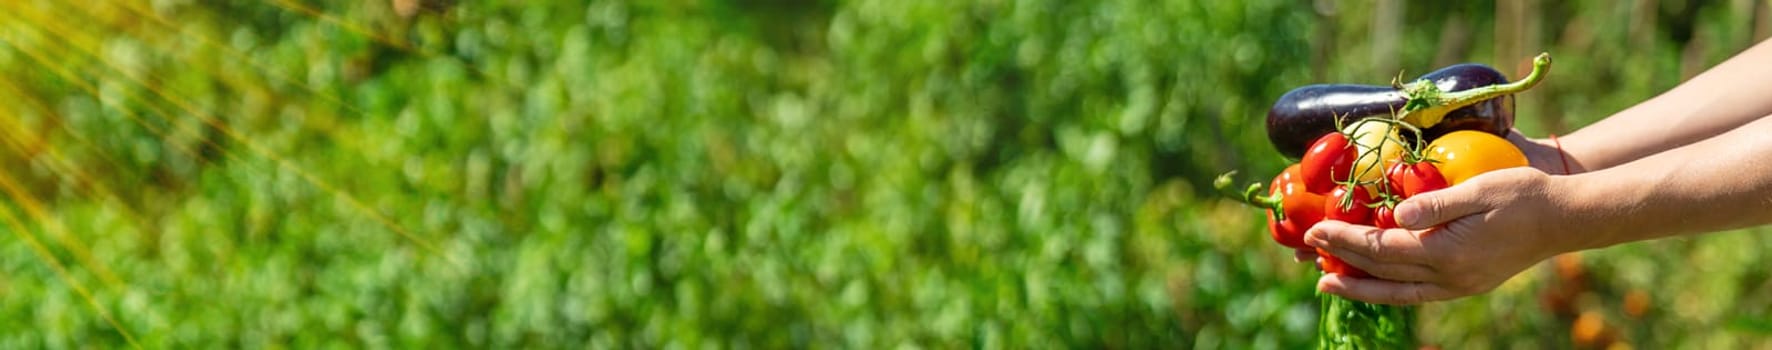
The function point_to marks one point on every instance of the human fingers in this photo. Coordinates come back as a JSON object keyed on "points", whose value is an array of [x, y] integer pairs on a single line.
{"points": [[1390, 271], [1433, 208], [1383, 292], [1378, 245]]}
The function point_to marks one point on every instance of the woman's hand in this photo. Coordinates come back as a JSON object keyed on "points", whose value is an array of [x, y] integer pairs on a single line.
{"points": [[1693, 162], [1494, 226], [1545, 155], [1542, 154]]}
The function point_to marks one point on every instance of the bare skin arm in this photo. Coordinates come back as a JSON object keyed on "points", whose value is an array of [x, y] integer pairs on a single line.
{"points": [[1727, 96], [1662, 187], [1722, 98], [1498, 224]]}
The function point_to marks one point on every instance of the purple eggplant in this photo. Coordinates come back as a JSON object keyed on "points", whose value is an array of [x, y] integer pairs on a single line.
{"points": [[1309, 112], [1459, 97], [1494, 116]]}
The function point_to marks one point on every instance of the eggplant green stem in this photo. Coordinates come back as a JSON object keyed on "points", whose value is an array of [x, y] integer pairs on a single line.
{"points": [[1427, 105]]}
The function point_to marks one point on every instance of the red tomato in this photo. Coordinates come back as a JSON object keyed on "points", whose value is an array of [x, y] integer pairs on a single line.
{"points": [[1384, 217], [1355, 212], [1302, 209], [1332, 264], [1329, 160], [1408, 180], [1393, 177]]}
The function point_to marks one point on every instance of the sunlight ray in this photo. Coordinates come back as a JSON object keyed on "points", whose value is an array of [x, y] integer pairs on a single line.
{"points": [[85, 181], [324, 124], [59, 231], [43, 59], [286, 164], [359, 30], [11, 189], [347, 25]]}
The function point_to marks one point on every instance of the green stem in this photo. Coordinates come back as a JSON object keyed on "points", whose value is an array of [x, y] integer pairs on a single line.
{"points": [[1540, 65], [1427, 104], [1250, 195]]}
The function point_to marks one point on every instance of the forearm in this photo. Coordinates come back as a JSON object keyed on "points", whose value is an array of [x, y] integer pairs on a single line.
{"points": [[1725, 97], [1720, 183]]}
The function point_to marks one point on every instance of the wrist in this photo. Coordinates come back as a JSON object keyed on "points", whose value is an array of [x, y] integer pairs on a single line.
{"points": [[1595, 210], [1573, 222], [1547, 154]]}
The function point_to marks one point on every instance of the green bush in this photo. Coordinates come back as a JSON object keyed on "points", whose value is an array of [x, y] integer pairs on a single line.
{"points": [[866, 174]]}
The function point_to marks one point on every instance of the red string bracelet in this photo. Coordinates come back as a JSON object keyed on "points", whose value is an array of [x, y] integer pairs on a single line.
{"points": [[1560, 154]]}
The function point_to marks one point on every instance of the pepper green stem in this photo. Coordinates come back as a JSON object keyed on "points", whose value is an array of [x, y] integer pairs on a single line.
{"points": [[1250, 195], [1427, 105]]}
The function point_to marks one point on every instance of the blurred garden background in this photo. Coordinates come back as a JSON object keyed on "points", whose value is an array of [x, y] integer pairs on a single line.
{"points": [[767, 173]]}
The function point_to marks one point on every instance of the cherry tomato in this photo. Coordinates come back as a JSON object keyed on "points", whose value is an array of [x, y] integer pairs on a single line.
{"points": [[1461, 155], [1393, 175], [1332, 264], [1384, 216], [1408, 180], [1327, 162], [1376, 142], [1355, 212], [1302, 209]]}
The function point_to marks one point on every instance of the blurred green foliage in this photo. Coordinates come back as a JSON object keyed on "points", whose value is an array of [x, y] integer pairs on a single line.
{"points": [[757, 173]]}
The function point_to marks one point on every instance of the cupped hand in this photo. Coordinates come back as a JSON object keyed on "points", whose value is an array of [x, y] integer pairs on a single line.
{"points": [[1456, 242], [1542, 154]]}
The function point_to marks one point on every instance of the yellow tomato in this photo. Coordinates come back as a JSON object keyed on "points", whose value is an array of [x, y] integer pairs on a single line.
{"points": [[1461, 155], [1375, 142]]}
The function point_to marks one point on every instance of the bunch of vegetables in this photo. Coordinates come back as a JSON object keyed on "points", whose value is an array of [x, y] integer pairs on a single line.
{"points": [[1363, 149]]}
